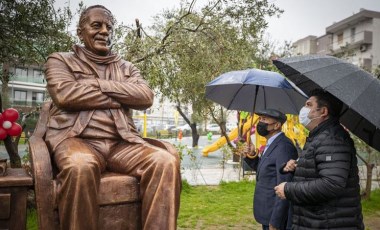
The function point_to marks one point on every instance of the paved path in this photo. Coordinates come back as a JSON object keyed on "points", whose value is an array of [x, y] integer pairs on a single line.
{"points": [[211, 170]]}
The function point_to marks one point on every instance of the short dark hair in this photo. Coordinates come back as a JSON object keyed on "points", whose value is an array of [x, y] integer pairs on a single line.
{"points": [[84, 14], [326, 99]]}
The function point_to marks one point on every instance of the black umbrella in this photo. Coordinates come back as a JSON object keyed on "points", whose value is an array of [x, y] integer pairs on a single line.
{"points": [[253, 89], [356, 88]]}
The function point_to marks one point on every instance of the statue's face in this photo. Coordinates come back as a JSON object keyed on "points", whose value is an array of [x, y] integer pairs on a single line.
{"points": [[96, 32]]}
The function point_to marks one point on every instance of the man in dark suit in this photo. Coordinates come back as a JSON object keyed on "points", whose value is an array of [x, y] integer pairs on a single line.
{"points": [[269, 210]]}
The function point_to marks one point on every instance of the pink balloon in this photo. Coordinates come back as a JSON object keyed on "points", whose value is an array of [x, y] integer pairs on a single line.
{"points": [[10, 115], [15, 130]]}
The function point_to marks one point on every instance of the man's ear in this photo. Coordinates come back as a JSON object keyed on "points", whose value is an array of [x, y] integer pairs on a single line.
{"points": [[278, 125], [325, 111], [79, 34]]}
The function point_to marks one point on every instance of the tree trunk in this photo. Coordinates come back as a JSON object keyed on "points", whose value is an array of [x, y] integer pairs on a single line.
{"points": [[369, 166], [195, 136], [194, 131], [223, 129], [368, 186], [4, 87], [12, 150]]}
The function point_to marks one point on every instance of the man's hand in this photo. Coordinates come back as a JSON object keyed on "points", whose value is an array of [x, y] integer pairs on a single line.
{"points": [[280, 190], [248, 151], [290, 166]]}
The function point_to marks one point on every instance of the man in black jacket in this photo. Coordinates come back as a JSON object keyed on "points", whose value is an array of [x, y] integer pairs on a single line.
{"points": [[269, 210], [325, 191]]}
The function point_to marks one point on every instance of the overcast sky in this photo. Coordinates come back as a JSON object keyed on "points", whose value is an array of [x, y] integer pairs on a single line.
{"points": [[300, 18]]}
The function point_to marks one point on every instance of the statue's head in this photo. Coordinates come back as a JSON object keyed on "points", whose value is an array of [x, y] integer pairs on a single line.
{"points": [[95, 29]]}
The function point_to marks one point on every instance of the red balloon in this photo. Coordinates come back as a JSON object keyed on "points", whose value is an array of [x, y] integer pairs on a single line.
{"points": [[3, 133], [10, 115], [15, 130], [1, 119]]}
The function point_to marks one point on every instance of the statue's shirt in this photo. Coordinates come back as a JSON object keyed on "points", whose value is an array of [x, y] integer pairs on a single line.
{"points": [[101, 124]]}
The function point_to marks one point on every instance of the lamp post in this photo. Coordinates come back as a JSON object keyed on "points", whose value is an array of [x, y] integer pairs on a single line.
{"points": [[144, 132]]}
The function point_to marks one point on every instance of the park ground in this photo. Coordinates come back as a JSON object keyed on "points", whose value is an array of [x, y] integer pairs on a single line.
{"points": [[216, 197]]}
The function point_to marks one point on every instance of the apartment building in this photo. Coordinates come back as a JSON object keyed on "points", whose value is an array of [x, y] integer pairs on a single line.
{"points": [[26, 87], [307, 45], [356, 38]]}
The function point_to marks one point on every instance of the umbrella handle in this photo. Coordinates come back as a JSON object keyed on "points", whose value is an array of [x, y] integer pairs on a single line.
{"points": [[247, 155], [254, 156]]}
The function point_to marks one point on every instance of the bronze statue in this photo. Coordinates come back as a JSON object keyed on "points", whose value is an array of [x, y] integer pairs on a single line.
{"points": [[90, 129]]}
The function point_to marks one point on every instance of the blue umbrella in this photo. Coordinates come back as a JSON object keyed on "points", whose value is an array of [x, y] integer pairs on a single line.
{"points": [[253, 89]]}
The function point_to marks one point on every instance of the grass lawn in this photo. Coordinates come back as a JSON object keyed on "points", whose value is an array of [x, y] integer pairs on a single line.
{"points": [[229, 206]]}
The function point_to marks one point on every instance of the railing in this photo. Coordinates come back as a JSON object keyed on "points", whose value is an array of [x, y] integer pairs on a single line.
{"points": [[364, 37], [26, 103], [28, 79]]}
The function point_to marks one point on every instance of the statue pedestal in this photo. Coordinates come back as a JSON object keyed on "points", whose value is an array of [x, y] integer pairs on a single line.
{"points": [[13, 194]]}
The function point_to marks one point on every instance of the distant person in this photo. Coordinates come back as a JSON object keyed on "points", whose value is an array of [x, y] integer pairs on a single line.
{"points": [[270, 210], [325, 191], [180, 135], [209, 136], [90, 129]]}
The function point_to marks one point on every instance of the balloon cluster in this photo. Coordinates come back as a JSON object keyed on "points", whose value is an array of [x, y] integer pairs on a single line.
{"points": [[8, 125]]}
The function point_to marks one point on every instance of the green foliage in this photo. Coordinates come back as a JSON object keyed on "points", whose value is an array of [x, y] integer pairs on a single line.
{"points": [[31, 30], [376, 72], [31, 221], [186, 187], [189, 46]]}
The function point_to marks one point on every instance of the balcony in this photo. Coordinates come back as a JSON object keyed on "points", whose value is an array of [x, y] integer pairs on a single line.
{"points": [[28, 79], [18, 103], [352, 42]]}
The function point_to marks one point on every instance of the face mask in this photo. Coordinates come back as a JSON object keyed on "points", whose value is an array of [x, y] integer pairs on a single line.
{"points": [[304, 116], [262, 128]]}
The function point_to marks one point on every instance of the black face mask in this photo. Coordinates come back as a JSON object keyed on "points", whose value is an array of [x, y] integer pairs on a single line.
{"points": [[262, 128]]}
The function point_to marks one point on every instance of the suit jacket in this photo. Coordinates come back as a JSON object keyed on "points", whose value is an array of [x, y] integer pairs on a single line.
{"points": [[77, 92], [268, 208]]}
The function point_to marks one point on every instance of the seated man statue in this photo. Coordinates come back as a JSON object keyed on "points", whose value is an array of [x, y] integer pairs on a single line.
{"points": [[91, 130]]}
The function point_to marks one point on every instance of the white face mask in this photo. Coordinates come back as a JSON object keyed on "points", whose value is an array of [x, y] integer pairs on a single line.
{"points": [[304, 116]]}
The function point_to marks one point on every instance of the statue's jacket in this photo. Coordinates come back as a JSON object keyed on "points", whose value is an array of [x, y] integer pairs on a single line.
{"points": [[77, 92]]}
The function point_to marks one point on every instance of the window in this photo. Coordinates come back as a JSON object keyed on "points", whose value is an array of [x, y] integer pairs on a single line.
{"points": [[21, 72], [38, 96], [19, 95], [340, 38], [37, 76], [353, 32], [37, 73]]}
